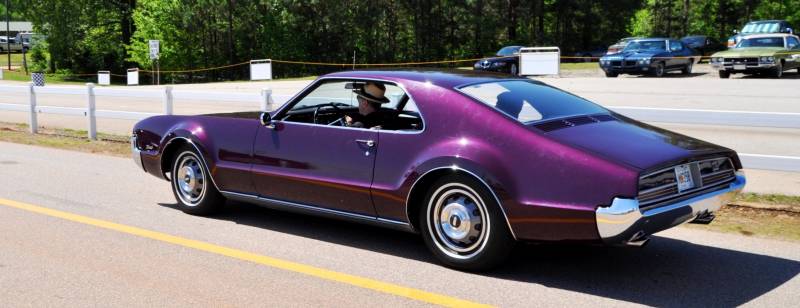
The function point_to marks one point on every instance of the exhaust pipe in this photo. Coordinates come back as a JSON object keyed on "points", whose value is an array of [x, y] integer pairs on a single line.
{"points": [[638, 240], [704, 218]]}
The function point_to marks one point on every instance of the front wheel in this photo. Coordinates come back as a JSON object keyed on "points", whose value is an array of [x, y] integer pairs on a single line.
{"points": [[192, 186], [724, 74], [659, 72], [611, 75], [463, 225], [777, 72]]}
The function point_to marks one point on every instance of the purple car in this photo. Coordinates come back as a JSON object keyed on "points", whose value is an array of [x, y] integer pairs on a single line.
{"points": [[473, 161]]}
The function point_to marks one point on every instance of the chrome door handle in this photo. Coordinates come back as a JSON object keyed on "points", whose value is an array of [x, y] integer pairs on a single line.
{"points": [[369, 143]]}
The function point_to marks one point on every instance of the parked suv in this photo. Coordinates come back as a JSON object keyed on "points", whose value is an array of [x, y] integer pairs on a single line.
{"points": [[760, 26]]}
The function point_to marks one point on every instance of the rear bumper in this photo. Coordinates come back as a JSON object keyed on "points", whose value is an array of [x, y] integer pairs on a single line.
{"points": [[136, 154], [624, 223]]}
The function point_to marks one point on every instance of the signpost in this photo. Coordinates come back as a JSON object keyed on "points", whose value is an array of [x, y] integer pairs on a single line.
{"points": [[154, 51]]}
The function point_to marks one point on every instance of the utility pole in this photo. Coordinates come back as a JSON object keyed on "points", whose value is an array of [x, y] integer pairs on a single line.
{"points": [[8, 34]]}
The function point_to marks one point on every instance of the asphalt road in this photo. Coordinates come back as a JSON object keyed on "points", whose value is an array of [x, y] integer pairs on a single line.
{"points": [[58, 261]]}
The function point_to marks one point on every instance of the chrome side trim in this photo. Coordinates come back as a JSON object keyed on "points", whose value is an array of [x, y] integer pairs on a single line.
{"points": [[625, 221], [136, 154], [317, 211], [456, 168]]}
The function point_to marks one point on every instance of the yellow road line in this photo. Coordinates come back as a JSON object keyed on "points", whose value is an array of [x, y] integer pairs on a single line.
{"points": [[362, 282]]}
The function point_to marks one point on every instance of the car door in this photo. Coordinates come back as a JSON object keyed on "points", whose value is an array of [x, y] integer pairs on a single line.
{"points": [[793, 50], [317, 165], [679, 54]]}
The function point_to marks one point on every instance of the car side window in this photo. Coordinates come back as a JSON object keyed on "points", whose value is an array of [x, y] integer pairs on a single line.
{"points": [[675, 46], [792, 42]]}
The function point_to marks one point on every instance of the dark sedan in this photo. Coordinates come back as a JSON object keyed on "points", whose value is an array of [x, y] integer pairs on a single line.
{"points": [[475, 162], [704, 45], [651, 56], [505, 61]]}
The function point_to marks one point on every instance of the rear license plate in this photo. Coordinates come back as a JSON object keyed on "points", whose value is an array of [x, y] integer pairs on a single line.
{"points": [[684, 176], [739, 67]]}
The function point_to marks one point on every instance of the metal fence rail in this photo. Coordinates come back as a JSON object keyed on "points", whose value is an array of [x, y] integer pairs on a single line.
{"points": [[266, 102]]}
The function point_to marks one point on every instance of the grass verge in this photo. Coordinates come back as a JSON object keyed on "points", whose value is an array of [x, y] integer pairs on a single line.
{"points": [[744, 220], [66, 139], [580, 66], [18, 75], [755, 222]]}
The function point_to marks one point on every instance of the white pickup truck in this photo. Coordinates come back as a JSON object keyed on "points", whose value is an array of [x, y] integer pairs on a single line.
{"points": [[13, 46]]}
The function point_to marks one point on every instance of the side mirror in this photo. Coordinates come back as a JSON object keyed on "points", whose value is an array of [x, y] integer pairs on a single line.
{"points": [[266, 120], [789, 30], [735, 31]]}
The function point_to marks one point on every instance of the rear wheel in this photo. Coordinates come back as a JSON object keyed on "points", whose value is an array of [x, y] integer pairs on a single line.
{"points": [[688, 69], [463, 225], [191, 184], [724, 74]]}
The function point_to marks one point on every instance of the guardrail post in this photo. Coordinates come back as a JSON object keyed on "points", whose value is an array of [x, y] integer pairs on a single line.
{"points": [[90, 111], [266, 99], [167, 100], [34, 123]]}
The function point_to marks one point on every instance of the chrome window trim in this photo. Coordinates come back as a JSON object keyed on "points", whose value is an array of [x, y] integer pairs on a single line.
{"points": [[456, 168], [295, 99]]}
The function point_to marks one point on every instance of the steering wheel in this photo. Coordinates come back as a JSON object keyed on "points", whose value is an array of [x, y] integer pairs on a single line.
{"points": [[338, 111]]}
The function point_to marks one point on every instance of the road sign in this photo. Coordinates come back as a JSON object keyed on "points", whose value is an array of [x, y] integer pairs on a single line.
{"points": [[154, 49]]}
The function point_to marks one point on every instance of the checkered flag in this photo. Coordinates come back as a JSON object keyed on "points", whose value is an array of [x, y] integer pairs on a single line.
{"points": [[38, 79]]}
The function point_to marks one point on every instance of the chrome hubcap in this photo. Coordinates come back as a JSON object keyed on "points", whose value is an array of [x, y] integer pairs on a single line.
{"points": [[189, 180], [459, 220]]}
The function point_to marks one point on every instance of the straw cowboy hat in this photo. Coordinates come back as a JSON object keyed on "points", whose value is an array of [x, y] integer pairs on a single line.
{"points": [[373, 92]]}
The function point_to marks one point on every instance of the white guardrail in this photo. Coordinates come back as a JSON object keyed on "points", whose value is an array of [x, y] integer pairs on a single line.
{"points": [[266, 101]]}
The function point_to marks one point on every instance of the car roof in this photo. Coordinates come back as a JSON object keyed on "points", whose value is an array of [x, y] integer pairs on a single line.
{"points": [[651, 39], [446, 78], [766, 21]]}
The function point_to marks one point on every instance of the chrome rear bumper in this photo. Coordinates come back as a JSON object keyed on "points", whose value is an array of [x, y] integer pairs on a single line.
{"points": [[625, 223], [136, 154]]}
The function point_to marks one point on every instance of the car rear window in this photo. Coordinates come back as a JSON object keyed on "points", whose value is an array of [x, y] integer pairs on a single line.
{"points": [[527, 101], [765, 27]]}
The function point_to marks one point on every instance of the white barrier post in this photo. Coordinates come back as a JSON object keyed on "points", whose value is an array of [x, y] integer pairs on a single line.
{"points": [[166, 99], [90, 111], [266, 99], [32, 100], [539, 61], [1, 73]]}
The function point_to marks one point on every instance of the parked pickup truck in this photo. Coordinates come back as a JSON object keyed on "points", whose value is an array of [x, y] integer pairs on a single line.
{"points": [[13, 46]]}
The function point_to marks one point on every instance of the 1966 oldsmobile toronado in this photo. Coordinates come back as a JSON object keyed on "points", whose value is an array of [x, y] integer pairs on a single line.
{"points": [[473, 161]]}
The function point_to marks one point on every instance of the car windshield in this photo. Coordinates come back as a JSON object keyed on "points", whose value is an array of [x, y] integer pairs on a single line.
{"points": [[761, 42], [763, 27], [527, 101], [646, 45], [508, 51]]}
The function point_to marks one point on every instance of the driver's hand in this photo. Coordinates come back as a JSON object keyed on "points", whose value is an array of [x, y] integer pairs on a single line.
{"points": [[348, 120]]}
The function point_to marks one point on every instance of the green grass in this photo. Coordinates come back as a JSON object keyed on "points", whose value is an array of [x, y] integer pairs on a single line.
{"points": [[49, 78], [580, 66], [67, 139], [755, 222], [769, 199], [16, 60]]}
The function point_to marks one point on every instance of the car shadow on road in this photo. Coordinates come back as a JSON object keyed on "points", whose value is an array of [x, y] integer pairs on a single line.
{"points": [[673, 75], [667, 272], [786, 75]]}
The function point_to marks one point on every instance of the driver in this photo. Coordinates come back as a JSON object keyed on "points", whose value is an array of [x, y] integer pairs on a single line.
{"points": [[370, 97]]}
